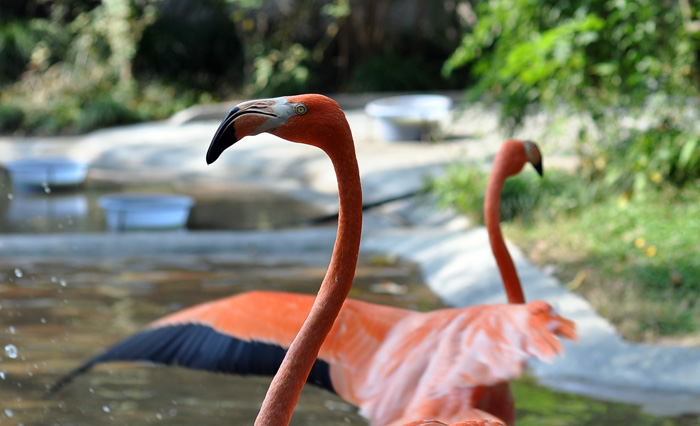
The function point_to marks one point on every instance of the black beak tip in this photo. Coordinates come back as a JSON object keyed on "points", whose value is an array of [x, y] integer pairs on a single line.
{"points": [[224, 137], [538, 167], [212, 155]]}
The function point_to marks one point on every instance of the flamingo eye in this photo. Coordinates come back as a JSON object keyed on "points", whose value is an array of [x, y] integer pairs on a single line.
{"points": [[301, 109]]}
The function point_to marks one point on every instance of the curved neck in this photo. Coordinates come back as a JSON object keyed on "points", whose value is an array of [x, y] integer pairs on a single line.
{"points": [[285, 388], [492, 218]]}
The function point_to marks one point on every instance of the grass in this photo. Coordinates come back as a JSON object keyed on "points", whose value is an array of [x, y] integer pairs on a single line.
{"points": [[539, 406], [637, 261]]}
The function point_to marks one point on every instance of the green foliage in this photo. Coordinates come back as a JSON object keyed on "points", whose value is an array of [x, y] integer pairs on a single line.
{"points": [[191, 44], [11, 118], [553, 51], [522, 56], [104, 112], [603, 60], [78, 73], [463, 188], [648, 158], [391, 72], [281, 72]]}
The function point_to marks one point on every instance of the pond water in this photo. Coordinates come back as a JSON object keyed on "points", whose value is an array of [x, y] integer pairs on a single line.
{"points": [[54, 314], [217, 206]]}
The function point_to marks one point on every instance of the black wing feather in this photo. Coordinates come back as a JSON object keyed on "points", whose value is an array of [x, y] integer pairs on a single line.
{"points": [[199, 347]]}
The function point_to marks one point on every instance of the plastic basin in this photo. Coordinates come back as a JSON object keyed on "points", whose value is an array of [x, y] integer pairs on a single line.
{"points": [[409, 117], [43, 172]]}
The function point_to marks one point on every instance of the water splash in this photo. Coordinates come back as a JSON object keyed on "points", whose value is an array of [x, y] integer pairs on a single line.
{"points": [[9, 412], [19, 273], [106, 409], [11, 351], [2, 375], [10, 196], [11, 330]]}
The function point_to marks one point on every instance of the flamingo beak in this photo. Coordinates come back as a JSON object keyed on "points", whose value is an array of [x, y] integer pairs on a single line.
{"points": [[245, 119], [538, 168], [534, 156]]}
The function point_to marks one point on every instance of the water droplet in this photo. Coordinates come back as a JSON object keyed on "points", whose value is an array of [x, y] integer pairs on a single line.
{"points": [[11, 330], [9, 412], [10, 196], [159, 416], [2, 375], [91, 390], [54, 279], [43, 320], [106, 409], [19, 273], [11, 351], [47, 189], [63, 283]]}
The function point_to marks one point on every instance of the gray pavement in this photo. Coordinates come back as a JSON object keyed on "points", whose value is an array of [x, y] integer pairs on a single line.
{"points": [[454, 257]]}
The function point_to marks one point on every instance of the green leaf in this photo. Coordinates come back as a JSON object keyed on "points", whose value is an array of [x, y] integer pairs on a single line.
{"points": [[686, 152]]}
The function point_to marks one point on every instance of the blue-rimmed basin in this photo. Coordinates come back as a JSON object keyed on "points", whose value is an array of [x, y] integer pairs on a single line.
{"points": [[409, 117], [30, 173]]}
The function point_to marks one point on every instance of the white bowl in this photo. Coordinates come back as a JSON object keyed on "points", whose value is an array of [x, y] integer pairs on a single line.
{"points": [[409, 117], [49, 171], [125, 212]]}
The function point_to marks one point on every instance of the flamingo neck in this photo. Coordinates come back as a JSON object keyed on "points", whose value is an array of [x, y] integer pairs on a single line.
{"points": [[492, 218], [287, 384]]}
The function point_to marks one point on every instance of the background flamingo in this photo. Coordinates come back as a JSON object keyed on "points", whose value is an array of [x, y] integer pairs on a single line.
{"points": [[396, 365]]}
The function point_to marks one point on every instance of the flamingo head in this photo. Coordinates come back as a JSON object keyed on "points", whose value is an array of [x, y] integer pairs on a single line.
{"points": [[311, 119], [514, 154]]}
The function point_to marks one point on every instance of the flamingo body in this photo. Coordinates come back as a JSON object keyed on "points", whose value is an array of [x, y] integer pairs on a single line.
{"points": [[395, 364]]}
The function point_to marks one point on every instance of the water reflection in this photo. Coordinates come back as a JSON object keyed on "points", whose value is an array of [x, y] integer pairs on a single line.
{"points": [[54, 314], [46, 212], [76, 209]]}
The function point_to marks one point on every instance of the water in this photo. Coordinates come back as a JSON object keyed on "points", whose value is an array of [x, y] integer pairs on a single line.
{"points": [[58, 313], [217, 206]]}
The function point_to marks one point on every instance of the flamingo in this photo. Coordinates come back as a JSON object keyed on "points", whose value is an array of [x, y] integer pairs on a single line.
{"points": [[397, 365]]}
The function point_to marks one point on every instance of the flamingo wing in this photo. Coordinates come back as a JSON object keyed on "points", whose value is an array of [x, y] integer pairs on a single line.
{"points": [[246, 334], [437, 364]]}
